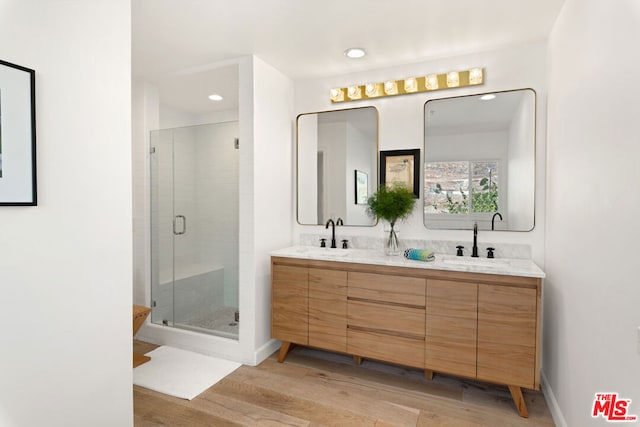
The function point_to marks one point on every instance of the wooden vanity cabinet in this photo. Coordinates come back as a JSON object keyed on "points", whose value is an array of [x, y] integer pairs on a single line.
{"points": [[451, 327], [386, 318], [474, 325], [328, 309], [290, 303], [507, 342]]}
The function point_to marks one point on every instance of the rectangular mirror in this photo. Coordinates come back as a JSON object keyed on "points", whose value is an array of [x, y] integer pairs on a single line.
{"points": [[479, 164], [337, 165]]}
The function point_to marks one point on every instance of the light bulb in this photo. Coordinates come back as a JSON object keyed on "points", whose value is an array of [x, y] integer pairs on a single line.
{"points": [[337, 95], [354, 53], [411, 85], [391, 87], [453, 79], [371, 89], [431, 82], [475, 76], [354, 92]]}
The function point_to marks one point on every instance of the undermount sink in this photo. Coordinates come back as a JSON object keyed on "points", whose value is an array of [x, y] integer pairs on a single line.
{"points": [[311, 251], [474, 262]]}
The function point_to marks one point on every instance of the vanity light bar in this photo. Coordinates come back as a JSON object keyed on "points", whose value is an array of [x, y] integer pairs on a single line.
{"points": [[474, 76]]}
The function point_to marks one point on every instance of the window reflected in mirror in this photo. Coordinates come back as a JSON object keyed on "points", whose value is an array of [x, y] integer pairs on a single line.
{"points": [[462, 187]]}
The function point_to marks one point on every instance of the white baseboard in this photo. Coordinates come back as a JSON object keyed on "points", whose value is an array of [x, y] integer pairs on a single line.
{"points": [[206, 344], [552, 403], [266, 350], [198, 342]]}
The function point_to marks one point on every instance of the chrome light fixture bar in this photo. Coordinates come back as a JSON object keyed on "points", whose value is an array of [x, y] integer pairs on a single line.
{"points": [[430, 82]]}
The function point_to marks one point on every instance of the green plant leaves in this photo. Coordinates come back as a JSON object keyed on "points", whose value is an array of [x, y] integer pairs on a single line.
{"points": [[391, 204]]}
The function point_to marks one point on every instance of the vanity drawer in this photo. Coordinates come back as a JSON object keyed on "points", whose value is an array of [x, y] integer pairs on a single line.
{"points": [[395, 319], [387, 288], [389, 348]]}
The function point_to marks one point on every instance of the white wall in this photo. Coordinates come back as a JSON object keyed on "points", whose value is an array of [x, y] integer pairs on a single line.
{"points": [[489, 145], [332, 141], [65, 265], [145, 116], [401, 126], [591, 292], [272, 186], [358, 157], [170, 117]]}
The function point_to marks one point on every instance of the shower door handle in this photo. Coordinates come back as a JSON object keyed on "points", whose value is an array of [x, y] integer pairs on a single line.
{"points": [[184, 224]]}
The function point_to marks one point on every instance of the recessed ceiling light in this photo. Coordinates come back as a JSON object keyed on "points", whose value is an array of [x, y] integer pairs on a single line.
{"points": [[487, 97], [215, 97], [354, 52]]}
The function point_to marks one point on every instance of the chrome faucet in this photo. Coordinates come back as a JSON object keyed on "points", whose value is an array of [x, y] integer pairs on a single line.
{"points": [[474, 251], [493, 218], [333, 230]]}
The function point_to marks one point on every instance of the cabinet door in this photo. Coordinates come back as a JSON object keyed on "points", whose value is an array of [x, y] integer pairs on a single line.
{"points": [[328, 309], [507, 334], [451, 327], [289, 303]]}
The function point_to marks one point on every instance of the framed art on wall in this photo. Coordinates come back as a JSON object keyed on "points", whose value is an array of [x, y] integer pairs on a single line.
{"points": [[17, 136], [401, 167]]}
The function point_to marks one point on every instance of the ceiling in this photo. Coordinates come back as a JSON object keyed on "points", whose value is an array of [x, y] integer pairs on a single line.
{"points": [[307, 38]]}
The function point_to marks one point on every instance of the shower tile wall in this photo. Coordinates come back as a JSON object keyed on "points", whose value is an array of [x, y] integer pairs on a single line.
{"points": [[185, 160], [193, 298], [217, 171]]}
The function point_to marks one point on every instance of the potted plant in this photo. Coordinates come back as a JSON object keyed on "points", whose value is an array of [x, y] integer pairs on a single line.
{"points": [[391, 204]]}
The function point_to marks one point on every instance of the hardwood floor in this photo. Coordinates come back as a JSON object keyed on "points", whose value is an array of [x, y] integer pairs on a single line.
{"points": [[315, 388]]}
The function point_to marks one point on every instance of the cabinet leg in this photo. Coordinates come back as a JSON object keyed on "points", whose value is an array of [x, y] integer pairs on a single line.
{"points": [[518, 399], [428, 374], [286, 346], [357, 360]]}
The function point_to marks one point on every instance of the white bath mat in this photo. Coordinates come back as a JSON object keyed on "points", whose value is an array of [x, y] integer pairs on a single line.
{"points": [[181, 373]]}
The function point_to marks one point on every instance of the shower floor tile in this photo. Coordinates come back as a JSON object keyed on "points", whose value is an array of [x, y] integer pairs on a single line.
{"points": [[220, 320]]}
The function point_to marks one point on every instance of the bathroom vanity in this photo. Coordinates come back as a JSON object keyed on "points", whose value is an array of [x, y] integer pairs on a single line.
{"points": [[473, 318]]}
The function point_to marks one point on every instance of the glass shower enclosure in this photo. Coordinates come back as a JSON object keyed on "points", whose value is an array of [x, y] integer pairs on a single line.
{"points": [[194, 228]]}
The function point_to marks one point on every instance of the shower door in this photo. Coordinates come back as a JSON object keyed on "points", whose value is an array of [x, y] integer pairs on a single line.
{"points": [[194, 228]]}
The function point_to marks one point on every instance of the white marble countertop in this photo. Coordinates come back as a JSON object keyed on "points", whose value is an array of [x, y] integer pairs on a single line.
{"points": [[503, 266]]}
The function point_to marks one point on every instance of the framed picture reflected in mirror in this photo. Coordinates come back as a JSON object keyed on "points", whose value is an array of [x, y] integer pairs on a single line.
{"points": [[362, 186]]}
